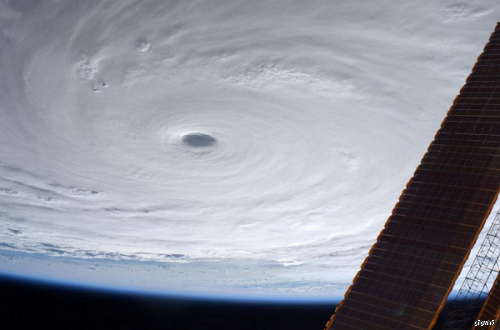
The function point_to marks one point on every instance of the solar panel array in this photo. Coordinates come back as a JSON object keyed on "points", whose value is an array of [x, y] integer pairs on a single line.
{"points": [[410, 270], [491, 308]]}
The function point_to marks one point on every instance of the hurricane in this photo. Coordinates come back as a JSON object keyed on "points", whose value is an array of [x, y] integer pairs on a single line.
{"points": [[225, 147]]}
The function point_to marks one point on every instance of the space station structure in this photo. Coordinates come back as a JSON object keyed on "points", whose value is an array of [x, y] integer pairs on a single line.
{"points": [[490, 312], [480, 286], [405, 280]]}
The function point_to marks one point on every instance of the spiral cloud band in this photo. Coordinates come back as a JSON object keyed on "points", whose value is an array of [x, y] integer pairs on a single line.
{"points": [[247, 147]]}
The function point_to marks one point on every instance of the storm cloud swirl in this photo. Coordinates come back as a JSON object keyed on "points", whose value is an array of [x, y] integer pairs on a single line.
{"points": [[276, 136]]}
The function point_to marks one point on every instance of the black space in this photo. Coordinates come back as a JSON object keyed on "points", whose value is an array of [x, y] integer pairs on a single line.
{"points": [[29, 305], [32, 305]]}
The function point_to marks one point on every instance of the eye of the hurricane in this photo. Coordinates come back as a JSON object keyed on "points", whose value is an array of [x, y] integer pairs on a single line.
{"points": [[199, 140]]}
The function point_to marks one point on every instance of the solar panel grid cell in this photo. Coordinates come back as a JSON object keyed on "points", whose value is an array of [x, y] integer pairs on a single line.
{"points": [[433, 214], [446, 225], [457, 203], [492, 46], [450, 195], [488, 58], [453, 150], [354, 320], [403, 262], [447, 148], [457, 117], [441, 207], [410, 241], [462, 159], [432, 217], [491, 50], [478, 97], [399, 279], [419, 275], [426, 238], [434, 277], [368, 278], [387, 302], [453, 234], [348, 325], [459, 143], [481, 89], [380, 315], [495, 36], [395, 257], [484, 83], [437, 205], [488, 62], [482, 80], [467, 118], [459, 169], [476, 106], [458, 186], [419, 252], [486, 70], [470, 185], [482, 181], [472, 128], [428, 292]]}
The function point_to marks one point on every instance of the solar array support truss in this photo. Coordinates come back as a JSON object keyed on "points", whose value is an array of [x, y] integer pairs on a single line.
{"points": [[404, 282], [479, 281], [490, 312]]}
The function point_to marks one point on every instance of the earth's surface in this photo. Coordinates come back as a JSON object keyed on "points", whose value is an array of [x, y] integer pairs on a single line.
{"points": [[248, 148]]}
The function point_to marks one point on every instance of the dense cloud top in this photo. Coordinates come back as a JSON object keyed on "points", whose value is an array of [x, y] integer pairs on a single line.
{"points": [[267, 139]]}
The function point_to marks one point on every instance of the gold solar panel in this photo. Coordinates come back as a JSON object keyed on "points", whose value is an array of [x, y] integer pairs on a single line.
{"points": [[411, 269]]}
